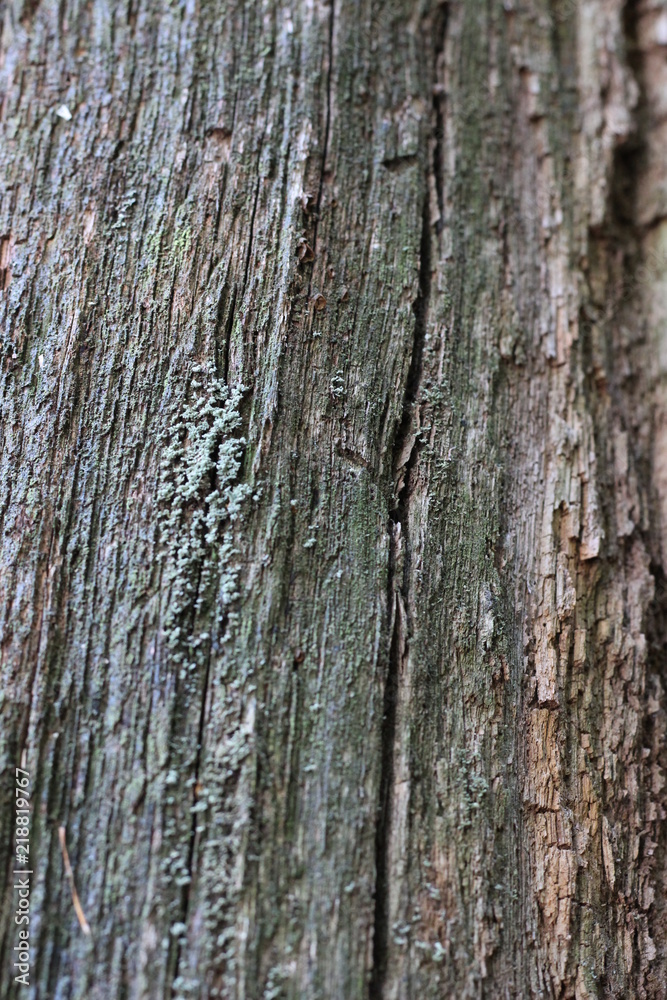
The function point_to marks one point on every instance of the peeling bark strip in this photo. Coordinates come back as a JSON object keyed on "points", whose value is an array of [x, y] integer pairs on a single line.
{"points": [[333, 497]]}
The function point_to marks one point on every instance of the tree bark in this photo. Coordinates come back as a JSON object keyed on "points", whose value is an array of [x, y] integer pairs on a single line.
{"points": [[333, 492]]}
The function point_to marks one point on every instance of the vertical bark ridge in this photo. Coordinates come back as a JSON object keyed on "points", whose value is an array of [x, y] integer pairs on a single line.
{"points": [[327, 125], [190, 862], [638, 209]]}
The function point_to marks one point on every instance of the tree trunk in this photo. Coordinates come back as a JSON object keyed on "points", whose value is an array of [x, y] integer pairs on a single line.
{"points": [[333, 492]]}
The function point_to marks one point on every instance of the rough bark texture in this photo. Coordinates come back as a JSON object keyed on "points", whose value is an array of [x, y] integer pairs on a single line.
{"points": [[333, 493]]}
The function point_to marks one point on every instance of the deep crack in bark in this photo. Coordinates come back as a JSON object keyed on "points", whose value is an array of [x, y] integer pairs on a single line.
{"points": [[398, 602], [397, 610]]}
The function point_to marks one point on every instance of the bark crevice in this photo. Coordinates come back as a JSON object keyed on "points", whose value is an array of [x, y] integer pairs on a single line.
{"points": [[398, 609]]}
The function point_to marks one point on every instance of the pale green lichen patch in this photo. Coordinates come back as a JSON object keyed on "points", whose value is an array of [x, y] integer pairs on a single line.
{"points": [[200, 498]]}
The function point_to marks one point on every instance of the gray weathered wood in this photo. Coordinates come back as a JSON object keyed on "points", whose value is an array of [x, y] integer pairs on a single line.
{"points": [[333, 496]]}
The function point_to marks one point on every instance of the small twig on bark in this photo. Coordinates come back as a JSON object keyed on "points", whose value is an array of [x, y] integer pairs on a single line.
{"points": [[78, 909]]}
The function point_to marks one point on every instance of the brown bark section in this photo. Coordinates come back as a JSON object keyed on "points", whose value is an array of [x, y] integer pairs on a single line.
{"points": [[333, 496]]}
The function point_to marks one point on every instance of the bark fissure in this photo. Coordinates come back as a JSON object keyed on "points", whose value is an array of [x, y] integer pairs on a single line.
{"points": [[439, 98], [228, 337], [398, 612]]}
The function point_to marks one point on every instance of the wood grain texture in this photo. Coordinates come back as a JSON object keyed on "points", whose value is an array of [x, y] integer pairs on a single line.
{"points": [[333, 496]]}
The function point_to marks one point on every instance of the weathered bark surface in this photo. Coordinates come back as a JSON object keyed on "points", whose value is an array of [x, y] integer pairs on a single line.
{"points": [[333, 493]]}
